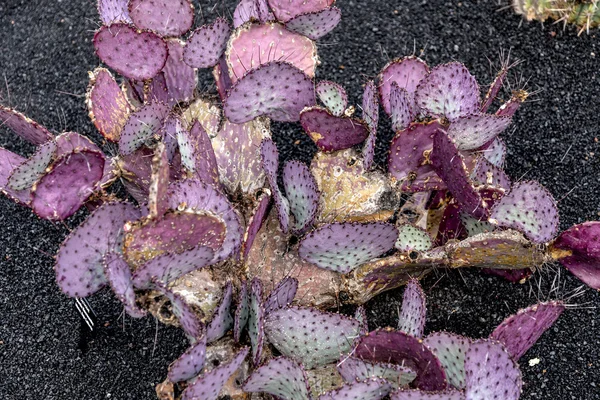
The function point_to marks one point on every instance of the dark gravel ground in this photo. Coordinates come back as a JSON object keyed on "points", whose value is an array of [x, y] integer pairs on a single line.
{"points": [[45, 53]]}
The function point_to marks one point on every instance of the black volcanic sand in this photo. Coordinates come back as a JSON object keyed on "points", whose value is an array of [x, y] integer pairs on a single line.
{"points": [[45, 54]]}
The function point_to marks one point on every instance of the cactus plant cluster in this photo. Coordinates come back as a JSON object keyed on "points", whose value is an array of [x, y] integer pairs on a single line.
{"points": [[585, 14], [206, 220], [332, 356]]}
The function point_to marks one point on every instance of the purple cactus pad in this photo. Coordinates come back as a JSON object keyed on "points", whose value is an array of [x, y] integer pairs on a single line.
{"points": [[107, 106], [495, 87], [136, 170], [174, 232], [408, 159], [198, 195], [449, 394], [221, 320], [520, 331], [170, 266], [112, 11], [118, 275], [473, 131], [133, 54], [68, 183], [302, 194], [165, 17], [80, 260], [450, 349], [206, 45], [487, 174], [355, 369], [222, 79], [450, 165], [245, 11], [285, 10], [341, 247], [333, 96], [242, 311], [449, 91], [373, 389], [529, 208], [309, 336], [511, 275], [158, 92], [190, 363], [180, 78], [400, 108], [197, 154], [208, 385], [23, 126], [278, 90], [259, 215], [414, 310], [370, 109], [509, 108], [395, 347], [189, 320], [282, 295], [270, 163], [279, 377], [315, 24], [237, 150], [331, 133], [254, 45], [579, 252], [256, 320], [491, 373], [142, 126], [407, 73]]}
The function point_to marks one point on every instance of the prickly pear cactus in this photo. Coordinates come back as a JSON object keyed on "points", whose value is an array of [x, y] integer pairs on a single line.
{"points": [[585, 14], [246, 251]]}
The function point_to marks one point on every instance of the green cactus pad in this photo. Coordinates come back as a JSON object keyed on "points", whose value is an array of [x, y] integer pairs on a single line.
{"points": [[302, 194], [309, 336], [30, 171], [412, 238], [354, 369], [142, 126], [279, 377], [333, 96], [450, 349]]}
